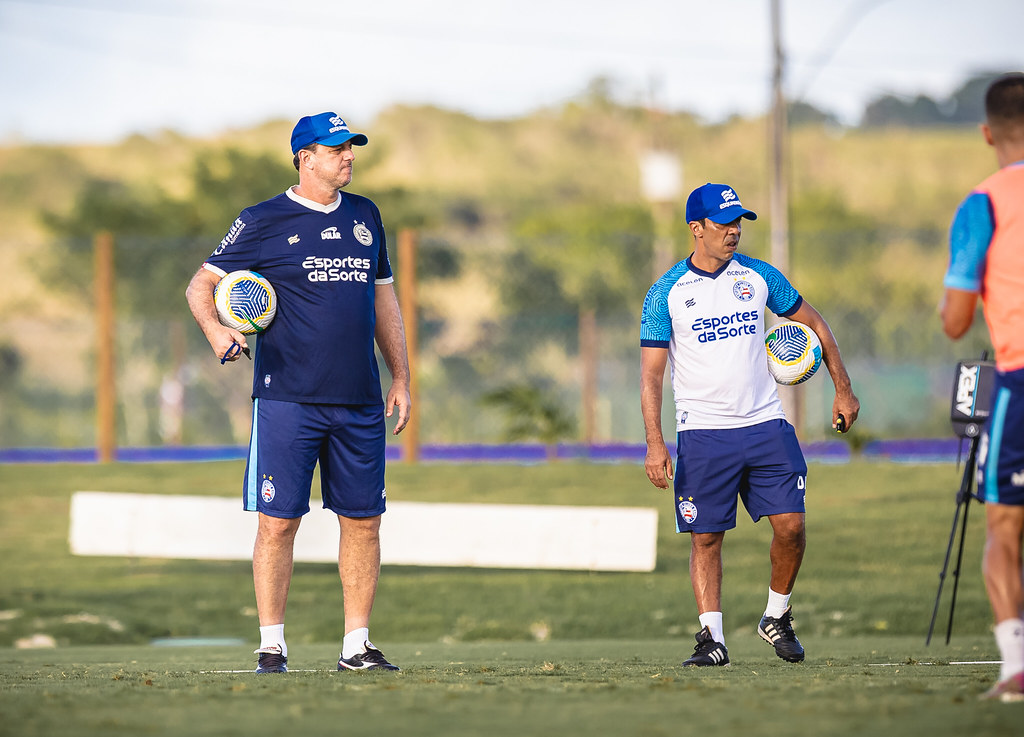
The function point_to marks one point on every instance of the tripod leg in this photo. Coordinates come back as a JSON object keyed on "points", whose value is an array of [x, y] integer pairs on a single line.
{"points": [[962, 498], [956, 571], [942, 573]]}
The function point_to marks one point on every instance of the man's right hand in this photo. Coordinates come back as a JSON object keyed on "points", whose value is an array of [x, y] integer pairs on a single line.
{"points": [[658, 464], [200, 301], [224, 340]]}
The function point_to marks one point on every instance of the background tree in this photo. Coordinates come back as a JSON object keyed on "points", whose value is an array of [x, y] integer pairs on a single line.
{"points": [[159, 239], [531, 413], [592, 258]]}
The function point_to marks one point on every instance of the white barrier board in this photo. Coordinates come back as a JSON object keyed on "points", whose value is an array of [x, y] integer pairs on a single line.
{"points": [[412, 533]]}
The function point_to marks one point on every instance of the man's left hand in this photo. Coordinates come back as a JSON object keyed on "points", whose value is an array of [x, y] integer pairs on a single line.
{"points": [[398, 396]]}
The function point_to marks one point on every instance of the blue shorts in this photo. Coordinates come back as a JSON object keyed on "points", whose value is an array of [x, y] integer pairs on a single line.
{"points": [[762, 464], [1001, 451], [289, 438]]}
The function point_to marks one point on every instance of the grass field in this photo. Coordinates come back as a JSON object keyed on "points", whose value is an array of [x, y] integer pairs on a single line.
{"points": [[502, 652]]}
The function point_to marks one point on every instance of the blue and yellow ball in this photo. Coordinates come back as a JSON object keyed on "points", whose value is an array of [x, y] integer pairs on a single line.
{"points": [[245, 301], [794, 353]]}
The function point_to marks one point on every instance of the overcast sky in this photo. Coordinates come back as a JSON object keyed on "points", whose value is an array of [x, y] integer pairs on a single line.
{"points": [[98, 70]]}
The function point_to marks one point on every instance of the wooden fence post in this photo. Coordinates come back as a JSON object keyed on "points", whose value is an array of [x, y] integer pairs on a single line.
{"points": [[106, 383]]}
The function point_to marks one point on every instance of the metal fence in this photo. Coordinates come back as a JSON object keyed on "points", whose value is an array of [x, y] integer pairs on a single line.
{"points": [[171, 390]]}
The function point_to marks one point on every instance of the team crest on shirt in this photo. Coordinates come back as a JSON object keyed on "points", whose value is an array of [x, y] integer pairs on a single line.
{"points": [[687, 510], [362, 234], [743, 290], [267, 491]]}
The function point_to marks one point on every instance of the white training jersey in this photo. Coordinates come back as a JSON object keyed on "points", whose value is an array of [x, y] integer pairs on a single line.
{"points": [[713, 327]]}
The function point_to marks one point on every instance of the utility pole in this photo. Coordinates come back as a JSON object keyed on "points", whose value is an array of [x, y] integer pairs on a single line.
{"points": [[778, 192]]}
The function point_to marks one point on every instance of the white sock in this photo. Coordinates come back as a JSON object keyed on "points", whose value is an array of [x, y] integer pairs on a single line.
{"points": [[1010, 638], [777, 604], [355, 642], [272, 639], [713, 621]]}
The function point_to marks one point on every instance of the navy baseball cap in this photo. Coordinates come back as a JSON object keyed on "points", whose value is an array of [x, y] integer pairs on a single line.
{"points": [[717, 202], [327, 129]]}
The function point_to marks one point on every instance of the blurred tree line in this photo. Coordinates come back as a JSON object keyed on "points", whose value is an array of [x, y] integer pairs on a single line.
{"points": [[959, 108], [536, 244]]}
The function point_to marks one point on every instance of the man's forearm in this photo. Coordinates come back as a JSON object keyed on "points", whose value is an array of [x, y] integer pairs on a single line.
{"points": [[390, 336], [650, 407]]}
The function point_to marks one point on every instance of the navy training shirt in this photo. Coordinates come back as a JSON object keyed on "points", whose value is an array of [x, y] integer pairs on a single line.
{"points": [[324, 262]]}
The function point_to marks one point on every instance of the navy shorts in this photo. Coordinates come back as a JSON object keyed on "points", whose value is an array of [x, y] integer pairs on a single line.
{"points": [[289, 438], [1001, 451], [762, 465]]}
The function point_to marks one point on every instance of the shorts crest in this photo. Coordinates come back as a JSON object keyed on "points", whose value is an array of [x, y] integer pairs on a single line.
{"points": [[268, 491]]}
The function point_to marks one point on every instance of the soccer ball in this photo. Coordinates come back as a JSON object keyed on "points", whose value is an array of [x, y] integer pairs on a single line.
{"points": [[245, 301], [794, 353]]}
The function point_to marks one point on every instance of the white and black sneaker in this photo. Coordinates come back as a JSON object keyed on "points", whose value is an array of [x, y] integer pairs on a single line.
{"points": [[271, 661], [371, 659], [707, 652], [778, 632]]}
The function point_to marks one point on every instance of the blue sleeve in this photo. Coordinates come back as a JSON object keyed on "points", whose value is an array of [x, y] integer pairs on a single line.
{"points": [[969, 239], [655, 320], [783, 299], [240, 247]]}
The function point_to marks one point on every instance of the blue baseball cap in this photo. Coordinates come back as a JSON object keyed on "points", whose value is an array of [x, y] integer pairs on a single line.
{"points": [[327, 129], [717, 202]]}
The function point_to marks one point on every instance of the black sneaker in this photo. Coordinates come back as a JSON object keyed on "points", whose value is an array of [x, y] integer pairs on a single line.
{"points": [[708, 652], [271, 662], [372, 659], [779, 633]]}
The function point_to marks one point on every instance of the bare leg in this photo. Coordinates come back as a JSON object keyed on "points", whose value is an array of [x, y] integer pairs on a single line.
{"points": [[1002, 562], [359, 568], [272, 557], [706, 570], [787, 550]]}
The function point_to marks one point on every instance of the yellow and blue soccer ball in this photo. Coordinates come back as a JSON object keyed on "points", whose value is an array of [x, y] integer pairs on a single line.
{"points": [[245, 301], [794, 353]]}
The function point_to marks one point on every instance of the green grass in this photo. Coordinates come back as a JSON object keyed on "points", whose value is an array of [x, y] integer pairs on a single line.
{"points": [[618, 687], [876, 537], [467, 638]]}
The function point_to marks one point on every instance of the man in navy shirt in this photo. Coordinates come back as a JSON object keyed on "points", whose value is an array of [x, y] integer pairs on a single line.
{"points": [[316, 387]]}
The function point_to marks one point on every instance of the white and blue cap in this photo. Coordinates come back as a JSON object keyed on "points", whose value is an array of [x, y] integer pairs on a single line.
{"points": [[327, 129], [719, 203]]}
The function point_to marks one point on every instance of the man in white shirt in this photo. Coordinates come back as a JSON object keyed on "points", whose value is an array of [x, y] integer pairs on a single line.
{"points": [[705, 319]]}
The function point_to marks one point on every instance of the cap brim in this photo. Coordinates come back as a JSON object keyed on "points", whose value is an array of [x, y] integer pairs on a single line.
{"points": [[729, 214], [358, 139]]}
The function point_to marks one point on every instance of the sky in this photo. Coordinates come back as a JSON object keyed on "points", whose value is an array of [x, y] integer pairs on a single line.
{"points": [[81, 71]]}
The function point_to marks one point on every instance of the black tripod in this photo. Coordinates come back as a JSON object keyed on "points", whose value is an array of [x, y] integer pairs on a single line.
{"points": [[963, 501], [972, 392]]}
